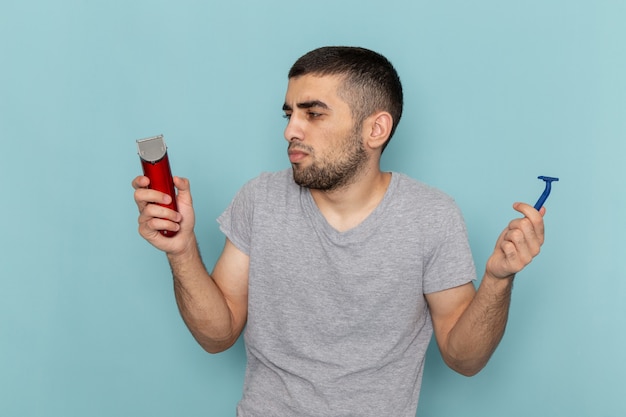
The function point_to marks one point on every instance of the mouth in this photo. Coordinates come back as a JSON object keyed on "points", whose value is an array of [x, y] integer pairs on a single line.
{"points": [[296, 155]]}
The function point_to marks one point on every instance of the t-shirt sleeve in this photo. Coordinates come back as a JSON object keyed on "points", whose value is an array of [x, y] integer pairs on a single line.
{"points": [[450, 263], [236, 221]]}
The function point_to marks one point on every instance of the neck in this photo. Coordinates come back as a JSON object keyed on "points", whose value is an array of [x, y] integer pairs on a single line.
{"points": [[346, 207]]}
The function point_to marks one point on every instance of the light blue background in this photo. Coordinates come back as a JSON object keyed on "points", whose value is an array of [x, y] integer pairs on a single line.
{"points": [[497, 93]]}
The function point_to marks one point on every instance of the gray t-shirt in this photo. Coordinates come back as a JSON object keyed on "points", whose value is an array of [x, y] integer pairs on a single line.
{"points": [[337, 321]]}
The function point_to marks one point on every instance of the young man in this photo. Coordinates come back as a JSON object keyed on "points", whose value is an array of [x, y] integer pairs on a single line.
{"points": [[339, 271]]}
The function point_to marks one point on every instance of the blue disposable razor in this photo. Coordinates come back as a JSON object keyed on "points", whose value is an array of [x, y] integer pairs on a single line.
{"points": [[546, 192]]}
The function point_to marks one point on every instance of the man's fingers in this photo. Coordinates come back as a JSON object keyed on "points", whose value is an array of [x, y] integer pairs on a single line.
{"points": [[156, 211], [145, 196], [536, 217], [151, 227], [531, 224], [519, 248], [181, 183], [183, 188]]}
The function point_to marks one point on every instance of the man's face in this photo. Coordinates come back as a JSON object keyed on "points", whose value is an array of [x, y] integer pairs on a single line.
{"points": [[326, 148]]}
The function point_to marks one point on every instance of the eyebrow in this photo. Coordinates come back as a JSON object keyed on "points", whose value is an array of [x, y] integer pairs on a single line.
{"points": [[307, 105]]}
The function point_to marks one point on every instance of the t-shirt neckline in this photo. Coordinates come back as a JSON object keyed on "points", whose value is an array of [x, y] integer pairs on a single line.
{"points": [[356, 233]]}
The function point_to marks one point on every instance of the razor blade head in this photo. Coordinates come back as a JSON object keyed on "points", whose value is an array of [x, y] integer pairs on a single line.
{"points": [[152, 149], [547, 179]]}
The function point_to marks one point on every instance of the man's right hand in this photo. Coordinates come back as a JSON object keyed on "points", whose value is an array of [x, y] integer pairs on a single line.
{"points": [[153, 217]]}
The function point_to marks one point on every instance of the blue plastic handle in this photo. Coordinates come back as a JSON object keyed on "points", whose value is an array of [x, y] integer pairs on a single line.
{"points": [[546, 192]]}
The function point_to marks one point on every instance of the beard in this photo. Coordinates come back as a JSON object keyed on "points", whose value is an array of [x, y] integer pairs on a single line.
{"points": [[337, 170]]}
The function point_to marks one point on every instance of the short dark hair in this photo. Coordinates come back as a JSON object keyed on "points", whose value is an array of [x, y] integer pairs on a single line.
{"points": [[371, 83]]}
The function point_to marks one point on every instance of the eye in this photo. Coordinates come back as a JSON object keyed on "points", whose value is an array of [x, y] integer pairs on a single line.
{"points": [[313, 115], [287, 116]]}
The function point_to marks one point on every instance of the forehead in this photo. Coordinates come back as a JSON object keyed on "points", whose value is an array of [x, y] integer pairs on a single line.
{"points": [[314, 87]]}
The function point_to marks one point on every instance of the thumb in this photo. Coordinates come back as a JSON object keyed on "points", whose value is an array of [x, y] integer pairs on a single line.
{"points": [[183, 190]]}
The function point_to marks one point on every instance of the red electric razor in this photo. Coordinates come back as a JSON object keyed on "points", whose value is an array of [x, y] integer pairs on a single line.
{"points": [[156, 166]]}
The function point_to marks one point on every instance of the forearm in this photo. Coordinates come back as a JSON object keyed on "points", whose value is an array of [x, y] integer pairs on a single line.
{"points": [[477, 333], [200, 301], [469, 327]]}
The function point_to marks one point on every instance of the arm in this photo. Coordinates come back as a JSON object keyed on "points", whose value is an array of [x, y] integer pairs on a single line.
{"points": [[213, 306], [469, 324]]}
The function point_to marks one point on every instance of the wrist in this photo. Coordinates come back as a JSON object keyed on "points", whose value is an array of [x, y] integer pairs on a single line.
{"points": [[490, 275], [496, 284], [188, 252]]}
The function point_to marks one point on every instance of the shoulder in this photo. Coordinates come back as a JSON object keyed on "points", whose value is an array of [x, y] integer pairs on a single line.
{"points": [[420, 195], [271, 182], [272, 188], [424, 207], [277, 178]]}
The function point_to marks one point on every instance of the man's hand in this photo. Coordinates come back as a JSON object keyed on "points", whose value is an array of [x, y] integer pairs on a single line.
{"points": [[153, 217], [518, 244]]}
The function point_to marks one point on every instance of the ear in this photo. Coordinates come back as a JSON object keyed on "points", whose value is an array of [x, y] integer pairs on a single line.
{"points": [[377, 129]]}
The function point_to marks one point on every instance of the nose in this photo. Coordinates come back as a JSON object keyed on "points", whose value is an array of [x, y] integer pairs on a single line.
{"points": [[293, 130]]}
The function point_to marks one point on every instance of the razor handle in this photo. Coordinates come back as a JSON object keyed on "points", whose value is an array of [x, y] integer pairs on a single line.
{"points": [[156, 166]]}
